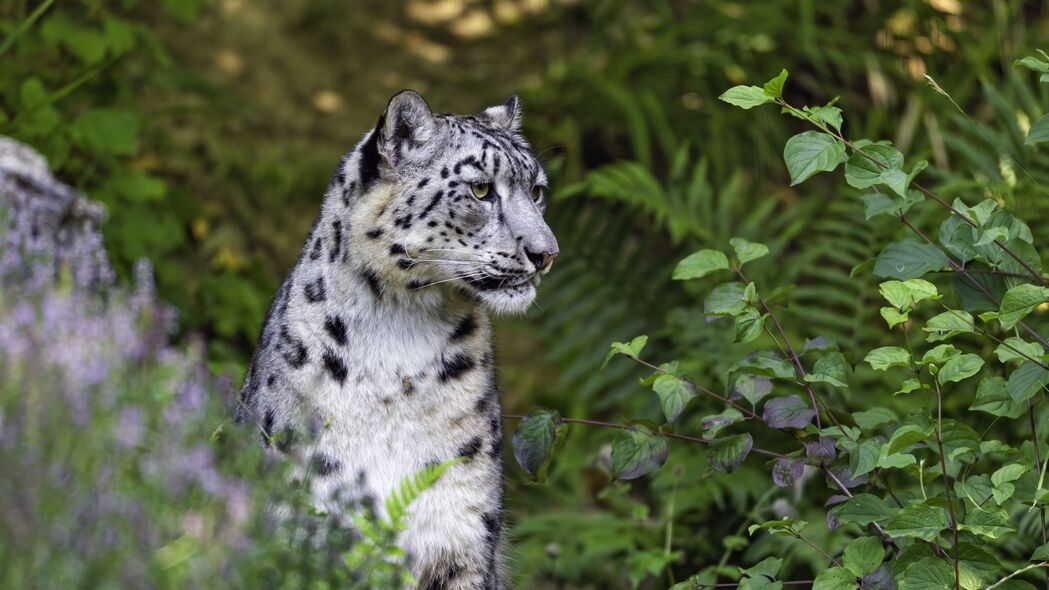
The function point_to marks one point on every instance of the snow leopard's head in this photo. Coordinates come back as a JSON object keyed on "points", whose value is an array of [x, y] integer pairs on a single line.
{"points": [[454, 201]]}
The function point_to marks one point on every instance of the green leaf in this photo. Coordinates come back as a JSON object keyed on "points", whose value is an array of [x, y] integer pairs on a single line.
{"points": [[774, 87], [896, 460], [899, 181], [959, 368], [788, 412], [534, 439], [1026, 381], [33, 93], [782, 527], [878, 203], [700, 264], [746, 97], [977, 489], [911, 384], [992, 396], [881, 359], [636, 452], [1000, 479], [909, 259], [978, 567], [904, 294], [1039, 131], [907, 435], [631, 349], [949, 324], [874, 418], [810, 152], [862, 556], [987, 523], [893, 317], [762, 575], [990, 235], [918, 520], [1020, 301], [753, 389], [749, 325], [864, 170], [727, 454], [928, 573], [1041, 553], [674, 394], [768, 567], [764, 365], [712, 425], [830, 368], [1033, 63], [863, 456], [747, 251], [726, 299], [940, 354], [957, 237], [1018, 349], [835, 578], [863, 509], [1007, 473], [106, 131], [827, 114]]}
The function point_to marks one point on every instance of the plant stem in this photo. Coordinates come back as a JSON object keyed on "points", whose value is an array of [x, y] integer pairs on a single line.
{"points": [[958, 268], [736, 584], [983, 332], [795, 359], [946, 484], [1004, 273], [830, 557], [24, 26], [673, 435], [1038, 470], [1017, 573], [836, 134], [703, 390]]}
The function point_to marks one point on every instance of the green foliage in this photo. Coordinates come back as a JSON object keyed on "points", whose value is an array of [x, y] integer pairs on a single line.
{"points": [[939, 494]]}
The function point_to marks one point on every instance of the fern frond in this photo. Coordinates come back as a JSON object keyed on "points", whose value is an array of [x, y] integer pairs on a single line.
{"points": [[412, 487]]}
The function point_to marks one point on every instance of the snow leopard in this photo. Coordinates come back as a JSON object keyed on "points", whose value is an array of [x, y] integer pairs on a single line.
{"points": [[382, 331]]}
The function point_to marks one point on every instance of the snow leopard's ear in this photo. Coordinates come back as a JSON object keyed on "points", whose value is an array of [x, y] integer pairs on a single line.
{"points": [[506, 115], [407, 125]]}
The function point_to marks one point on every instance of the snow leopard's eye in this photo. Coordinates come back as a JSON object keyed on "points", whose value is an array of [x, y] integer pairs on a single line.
{"points": [[481, 190], [537, 193]]}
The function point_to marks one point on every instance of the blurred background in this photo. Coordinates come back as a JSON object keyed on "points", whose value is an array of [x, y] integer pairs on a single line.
{"points": [[209, 130]]}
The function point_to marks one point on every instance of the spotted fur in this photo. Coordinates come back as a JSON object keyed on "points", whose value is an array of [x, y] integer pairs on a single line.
{"points": [[381, 331]]}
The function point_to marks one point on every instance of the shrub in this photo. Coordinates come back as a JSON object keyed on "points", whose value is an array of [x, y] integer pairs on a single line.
{"points": [[926, 499]]}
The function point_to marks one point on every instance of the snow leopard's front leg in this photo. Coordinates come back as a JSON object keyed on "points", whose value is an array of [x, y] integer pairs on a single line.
{"points": [[454, 539]]}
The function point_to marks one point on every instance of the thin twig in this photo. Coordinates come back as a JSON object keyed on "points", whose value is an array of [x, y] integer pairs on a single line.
{"points": [[946, 483], [801, 537], [837, 134], [673, 435], [736, 584], [958, 268], [1038, 471], [702, 390], [1003, 273], [983, 332], [795, 359], [1017, 573]]}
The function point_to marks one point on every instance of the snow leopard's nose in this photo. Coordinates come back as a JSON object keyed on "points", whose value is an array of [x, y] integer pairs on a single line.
{"points": [[542, 260]]}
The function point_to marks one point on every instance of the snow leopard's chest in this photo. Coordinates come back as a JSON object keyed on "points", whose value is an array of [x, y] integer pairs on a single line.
{"points": [[402, 392]]}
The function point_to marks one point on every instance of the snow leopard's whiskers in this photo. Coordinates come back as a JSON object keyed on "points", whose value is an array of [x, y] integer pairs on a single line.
{"points": [[472, 275]]}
